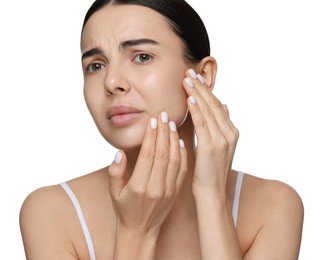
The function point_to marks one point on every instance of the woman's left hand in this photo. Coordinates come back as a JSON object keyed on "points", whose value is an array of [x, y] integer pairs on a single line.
{"points": [[216, 137]]}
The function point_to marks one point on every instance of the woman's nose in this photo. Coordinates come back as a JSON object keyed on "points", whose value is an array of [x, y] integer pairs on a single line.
{"points": [[116, 83]]}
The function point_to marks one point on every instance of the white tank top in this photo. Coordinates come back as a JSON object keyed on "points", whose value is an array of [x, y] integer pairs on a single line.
{"points": [[85, 228]]}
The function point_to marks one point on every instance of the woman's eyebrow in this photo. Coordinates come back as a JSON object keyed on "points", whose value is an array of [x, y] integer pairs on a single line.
{"points": [[123, 45], [135, 42], [92, 52]]}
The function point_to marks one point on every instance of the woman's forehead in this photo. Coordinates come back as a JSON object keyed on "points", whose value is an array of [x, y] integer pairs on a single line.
{"points": [[125, 22]]}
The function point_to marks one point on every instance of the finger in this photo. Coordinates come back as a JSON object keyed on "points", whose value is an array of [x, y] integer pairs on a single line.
{"points": [[116, 174], [234, 129], [142, 170], [161, 158], [203, 113], [200, 122], [174, 160], [212, 109], [225, 108], [183, 169], [220, 110]]}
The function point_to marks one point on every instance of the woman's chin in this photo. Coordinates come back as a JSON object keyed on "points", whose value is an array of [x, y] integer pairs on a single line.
{"points": [[127, 144]]}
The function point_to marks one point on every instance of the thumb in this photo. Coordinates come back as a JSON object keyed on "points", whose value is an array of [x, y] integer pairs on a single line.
{"points": [[116, 174]]}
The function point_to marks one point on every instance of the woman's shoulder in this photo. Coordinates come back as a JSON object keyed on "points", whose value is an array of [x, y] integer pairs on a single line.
{"points": [[42, 222], [269, 210], [42, 201], [53, 197], [270, 191], [48, 214]]}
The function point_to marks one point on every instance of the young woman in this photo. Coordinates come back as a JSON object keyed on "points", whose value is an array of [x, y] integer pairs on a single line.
{"points": [[170, 192]]}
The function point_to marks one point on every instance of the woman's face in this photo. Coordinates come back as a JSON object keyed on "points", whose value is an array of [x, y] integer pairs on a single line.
{"points": [[133, 69]]}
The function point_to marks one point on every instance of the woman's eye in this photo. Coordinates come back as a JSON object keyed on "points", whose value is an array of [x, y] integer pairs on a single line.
{"points": [[143, 58], [93, 67]]}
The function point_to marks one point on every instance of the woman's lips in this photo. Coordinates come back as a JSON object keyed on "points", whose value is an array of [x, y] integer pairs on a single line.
{"points": [[123, 114]]}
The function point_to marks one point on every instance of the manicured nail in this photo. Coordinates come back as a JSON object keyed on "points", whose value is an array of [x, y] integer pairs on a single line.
{"points": [[201, 79], [192, 73], [189, 82], [192, 100], [153, 123], [118, 157], [172, 126], [164, 117], [182, 144]]}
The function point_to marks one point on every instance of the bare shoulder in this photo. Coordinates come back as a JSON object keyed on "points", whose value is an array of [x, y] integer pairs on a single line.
{"points": [[272, 191], [40, 203], [273, 194], [271, 217], [49, 224], [42, 224]]}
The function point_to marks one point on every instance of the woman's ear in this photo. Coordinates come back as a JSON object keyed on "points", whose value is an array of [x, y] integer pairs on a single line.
{"points": [[208, 69]]}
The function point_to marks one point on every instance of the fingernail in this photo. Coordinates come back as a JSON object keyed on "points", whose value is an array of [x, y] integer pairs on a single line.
{"points": [[182, 144], [118, 157], [192, 73], [192, 100], [153, 123], [201, 79], [172, 126], [164, 117], [189, 82]]}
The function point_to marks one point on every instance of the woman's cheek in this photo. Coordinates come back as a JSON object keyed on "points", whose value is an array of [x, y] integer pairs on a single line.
{"points": [[127, 138], [177, 107]]}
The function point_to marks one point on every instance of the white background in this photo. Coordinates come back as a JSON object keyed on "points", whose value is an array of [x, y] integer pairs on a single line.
{"points": [[273, 74]]}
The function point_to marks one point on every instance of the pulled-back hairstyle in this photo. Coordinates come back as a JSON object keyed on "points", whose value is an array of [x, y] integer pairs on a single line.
{"points": [[182, 18]]}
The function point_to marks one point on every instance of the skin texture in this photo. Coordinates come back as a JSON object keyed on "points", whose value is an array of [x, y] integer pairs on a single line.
{"points": [[158, 199]]}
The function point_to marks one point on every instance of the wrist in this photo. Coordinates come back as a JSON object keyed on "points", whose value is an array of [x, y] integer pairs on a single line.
{"points": [[135, 244], [205, 192], [212, 198]]}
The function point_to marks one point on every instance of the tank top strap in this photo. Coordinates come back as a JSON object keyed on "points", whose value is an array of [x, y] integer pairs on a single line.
{"points": [[235, 205], [81, 218]]}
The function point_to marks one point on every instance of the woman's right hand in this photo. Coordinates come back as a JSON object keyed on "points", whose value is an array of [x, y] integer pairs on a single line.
{"points": [[144, 201]]}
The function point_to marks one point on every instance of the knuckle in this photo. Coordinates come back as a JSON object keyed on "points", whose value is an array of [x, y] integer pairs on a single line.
{"points": [[111, 171], [213, 101], [163, 153], [232, 138], [208, 112], [222, 144], [138, 189], [236, 131], [147, 153], [175, 161], [200, 123], [170, 192], [155, 194]]}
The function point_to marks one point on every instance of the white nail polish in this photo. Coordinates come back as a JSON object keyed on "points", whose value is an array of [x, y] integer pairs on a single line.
{"points": [[201, 79], [189, 82], [172, 126], [118, 157], [164, 117], [153, 123], [192, 100], [182, 144], [192, 73]]}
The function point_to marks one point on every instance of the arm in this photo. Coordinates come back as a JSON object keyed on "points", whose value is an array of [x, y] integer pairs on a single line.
{"points": [[42, 229], [281, 232], [279, 236], [216, 228], [217, 138]]}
